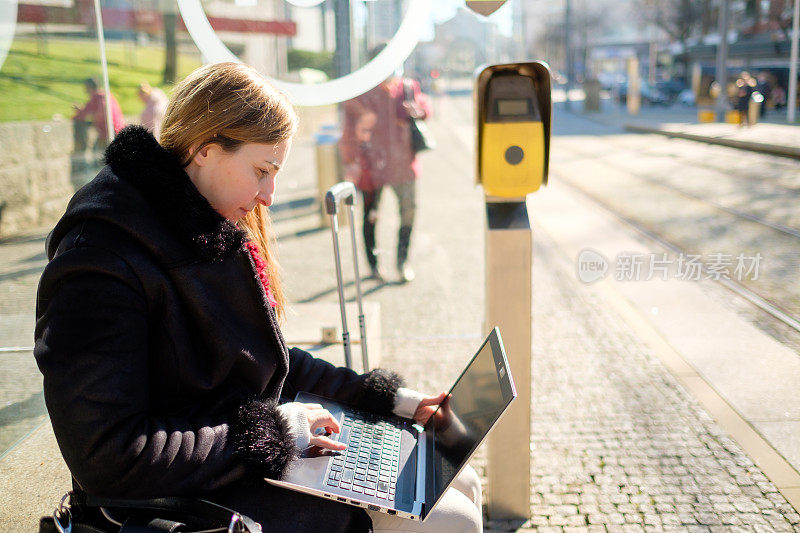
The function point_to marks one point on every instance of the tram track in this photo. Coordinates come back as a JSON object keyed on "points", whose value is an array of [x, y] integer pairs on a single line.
{"points": [[731, 210], [775, 310], [659, 182]]}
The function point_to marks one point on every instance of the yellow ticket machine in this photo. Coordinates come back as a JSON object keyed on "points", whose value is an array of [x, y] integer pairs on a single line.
{"points": [[513, 131], [513, 111]]}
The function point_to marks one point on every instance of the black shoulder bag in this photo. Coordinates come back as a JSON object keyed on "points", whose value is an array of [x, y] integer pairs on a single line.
{"points": [[80, 513], [421, 138]]}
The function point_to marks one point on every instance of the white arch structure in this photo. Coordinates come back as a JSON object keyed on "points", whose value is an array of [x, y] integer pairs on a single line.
{"points": [[330, 92], [8, 26]]}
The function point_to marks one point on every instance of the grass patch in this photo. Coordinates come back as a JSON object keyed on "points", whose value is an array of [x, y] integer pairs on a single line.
{"points": [[36, 86]]}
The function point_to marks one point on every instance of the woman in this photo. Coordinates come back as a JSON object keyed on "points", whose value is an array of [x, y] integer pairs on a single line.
{"points": [[165, 372], [377, 153]]}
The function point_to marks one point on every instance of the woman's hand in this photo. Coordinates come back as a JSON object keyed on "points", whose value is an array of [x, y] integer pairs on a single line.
{"points": [[427, 406], [352, 172], [413, 109], [322, 423]]}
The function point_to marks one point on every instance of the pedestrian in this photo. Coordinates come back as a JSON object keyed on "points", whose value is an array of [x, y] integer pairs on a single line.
{"points": [[165, 371], [95, 108], [779, 96], [764, 87], [383, 115], [155, 105], [744, 90]]}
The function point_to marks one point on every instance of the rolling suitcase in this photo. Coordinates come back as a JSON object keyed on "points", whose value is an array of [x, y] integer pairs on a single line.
{"points": [[345, 193]]}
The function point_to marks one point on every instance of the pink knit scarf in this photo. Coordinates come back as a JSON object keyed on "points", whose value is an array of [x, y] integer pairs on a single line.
{"points": [[261, 269]]}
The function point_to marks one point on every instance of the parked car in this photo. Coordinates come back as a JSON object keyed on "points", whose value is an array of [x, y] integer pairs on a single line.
{"points": [[650, 95], [686, 97], [671, 89]]}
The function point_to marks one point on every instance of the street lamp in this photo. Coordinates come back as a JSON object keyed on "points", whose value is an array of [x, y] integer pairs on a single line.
{"points": [[793, 64], [568, 50], [722, 62]]}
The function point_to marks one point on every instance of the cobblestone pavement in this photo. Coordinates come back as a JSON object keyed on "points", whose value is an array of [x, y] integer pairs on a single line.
{"points": [[619, 445]]}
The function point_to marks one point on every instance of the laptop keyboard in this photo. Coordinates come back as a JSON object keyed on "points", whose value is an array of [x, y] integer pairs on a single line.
{"points": [[369, 465]]}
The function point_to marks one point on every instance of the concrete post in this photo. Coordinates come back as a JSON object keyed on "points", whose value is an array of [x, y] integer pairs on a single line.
{"points": [[509, 261], [634, 98]]}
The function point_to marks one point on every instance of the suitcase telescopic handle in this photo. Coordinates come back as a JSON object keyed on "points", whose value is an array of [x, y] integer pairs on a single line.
{"points": [[343, 191]]}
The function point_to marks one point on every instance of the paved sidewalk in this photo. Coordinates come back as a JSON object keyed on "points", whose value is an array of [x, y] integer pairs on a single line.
{"points": [[772, 134]]}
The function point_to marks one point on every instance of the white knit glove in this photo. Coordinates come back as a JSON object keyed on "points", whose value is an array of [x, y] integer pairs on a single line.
{"points": [[296, 417], [406, 402]]}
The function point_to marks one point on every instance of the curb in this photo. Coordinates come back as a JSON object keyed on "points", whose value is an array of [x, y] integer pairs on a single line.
{"points": [[772, 149]]}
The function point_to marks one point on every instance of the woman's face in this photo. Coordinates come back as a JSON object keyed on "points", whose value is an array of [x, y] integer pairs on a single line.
{"points": [[234, 183]]}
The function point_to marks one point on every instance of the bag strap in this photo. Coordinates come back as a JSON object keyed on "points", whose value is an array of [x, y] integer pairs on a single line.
{"points": [[408, 91], [237, 523]]}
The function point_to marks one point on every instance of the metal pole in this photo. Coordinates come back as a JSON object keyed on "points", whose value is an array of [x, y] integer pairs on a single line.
{"points": [[98, 17], [567, 50], [362, 325], [342, 55], [792, 100], [722, 62], [524, 24], [323, 15], [348, 358]]}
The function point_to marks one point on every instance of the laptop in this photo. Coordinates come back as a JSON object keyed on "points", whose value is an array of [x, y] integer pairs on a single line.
{"points": [[394, 465]]}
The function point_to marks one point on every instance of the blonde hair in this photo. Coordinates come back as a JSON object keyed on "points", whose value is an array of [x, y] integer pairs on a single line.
{"points": [[231, 104]]}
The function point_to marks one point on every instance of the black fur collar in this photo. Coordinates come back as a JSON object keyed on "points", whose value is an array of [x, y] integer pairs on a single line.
{"points": [[136, 157]]}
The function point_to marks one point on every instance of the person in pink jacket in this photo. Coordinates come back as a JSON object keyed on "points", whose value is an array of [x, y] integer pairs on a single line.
{"points": [[95, 108], [376, 151]]}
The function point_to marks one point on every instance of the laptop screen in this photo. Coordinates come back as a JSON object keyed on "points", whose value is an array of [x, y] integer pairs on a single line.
{"points": [[476, 401]]}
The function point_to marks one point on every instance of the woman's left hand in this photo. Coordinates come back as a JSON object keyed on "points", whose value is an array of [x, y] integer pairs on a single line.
{"points": [[414, 110], [427, 406]]}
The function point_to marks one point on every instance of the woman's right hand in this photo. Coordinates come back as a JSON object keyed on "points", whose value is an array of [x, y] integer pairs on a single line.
{"points": [[310, 424], [322, 423]]}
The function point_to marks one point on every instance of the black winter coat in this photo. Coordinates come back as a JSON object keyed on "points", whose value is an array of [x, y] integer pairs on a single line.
{"points": [[163, 362]]}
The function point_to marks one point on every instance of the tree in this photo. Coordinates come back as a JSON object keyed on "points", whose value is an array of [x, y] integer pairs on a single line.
{"points": [[679, 19], [169, 17], [589, 21]]}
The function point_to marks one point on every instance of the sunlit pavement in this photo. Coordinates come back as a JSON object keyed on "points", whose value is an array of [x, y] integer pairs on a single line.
{"points": [[618, 441]]}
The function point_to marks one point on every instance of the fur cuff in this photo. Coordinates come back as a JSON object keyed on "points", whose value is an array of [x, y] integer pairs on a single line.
{"points": [[379, 390], [263, 439]]}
